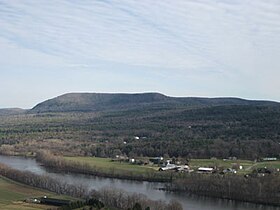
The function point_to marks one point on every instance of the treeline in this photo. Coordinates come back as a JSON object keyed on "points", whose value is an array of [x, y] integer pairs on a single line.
{"points": [[262, 190], [123, 200], [59, 163], [112, 198], [44, 182], [196, 148]]}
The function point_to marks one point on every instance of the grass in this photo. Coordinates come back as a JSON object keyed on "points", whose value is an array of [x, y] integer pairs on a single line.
{"points": [[108, 164], [219, 163], [12, 195], [247, 165], [268, 164]]}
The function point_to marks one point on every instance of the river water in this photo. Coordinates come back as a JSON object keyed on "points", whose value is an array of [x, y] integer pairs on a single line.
{"points": [[189, 202]]}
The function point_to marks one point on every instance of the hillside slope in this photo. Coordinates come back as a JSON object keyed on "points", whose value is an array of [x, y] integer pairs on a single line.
{"points": [[12, 111], [88, 102], [98, 124]]}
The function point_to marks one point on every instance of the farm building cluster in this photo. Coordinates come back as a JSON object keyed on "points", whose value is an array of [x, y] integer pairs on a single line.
{"points": [[182, 165]]}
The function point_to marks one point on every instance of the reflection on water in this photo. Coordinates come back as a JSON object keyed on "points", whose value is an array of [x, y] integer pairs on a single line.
{"points": [[189, 202]]}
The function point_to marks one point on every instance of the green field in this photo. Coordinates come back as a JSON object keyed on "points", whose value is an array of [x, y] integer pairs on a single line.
{"points": [[219, 163], [268, 164], [247, 165], [12, 195], [107, 164]]}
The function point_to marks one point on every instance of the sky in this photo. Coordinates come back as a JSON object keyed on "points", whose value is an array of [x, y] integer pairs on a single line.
{"points": [[204, 48]]}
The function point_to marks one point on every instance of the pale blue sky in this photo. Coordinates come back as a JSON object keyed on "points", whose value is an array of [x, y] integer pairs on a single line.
{"points": [[176, 47]]}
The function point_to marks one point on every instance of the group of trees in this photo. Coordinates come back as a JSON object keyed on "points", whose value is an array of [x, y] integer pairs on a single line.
{"points": [[43, 182], [123, 200], [263, 189]]}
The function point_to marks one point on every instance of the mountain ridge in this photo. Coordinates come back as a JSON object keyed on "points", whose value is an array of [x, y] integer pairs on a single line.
{"points": [[88, 102]]}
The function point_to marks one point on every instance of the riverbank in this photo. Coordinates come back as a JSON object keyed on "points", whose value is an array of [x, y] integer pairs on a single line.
{"points": [[61, 164]]}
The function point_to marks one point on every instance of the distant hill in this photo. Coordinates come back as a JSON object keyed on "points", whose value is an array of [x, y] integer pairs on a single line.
{"points": [[12, 111], [88, 102]]}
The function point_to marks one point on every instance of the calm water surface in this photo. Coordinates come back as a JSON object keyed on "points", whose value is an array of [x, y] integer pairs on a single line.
{"points": [[189, 202]]}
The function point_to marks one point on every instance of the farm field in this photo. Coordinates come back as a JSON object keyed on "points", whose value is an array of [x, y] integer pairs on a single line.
{"points": [[268, 164], [108, 164], [247, 165], [195, 163], [12, 195]]}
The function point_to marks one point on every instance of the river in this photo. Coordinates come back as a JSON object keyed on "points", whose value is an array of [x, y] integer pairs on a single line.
{"points": [[189, 202]]}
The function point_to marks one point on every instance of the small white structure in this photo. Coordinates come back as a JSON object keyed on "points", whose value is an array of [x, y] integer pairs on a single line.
{"points": [[205, 170], [269, 159], [136, 137], [183, 168], [132, 160], [168, 167]]}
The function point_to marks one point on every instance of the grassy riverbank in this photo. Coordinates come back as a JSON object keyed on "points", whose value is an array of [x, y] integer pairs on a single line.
{"points": [[108, 164], [102, 167], [12, 195]]}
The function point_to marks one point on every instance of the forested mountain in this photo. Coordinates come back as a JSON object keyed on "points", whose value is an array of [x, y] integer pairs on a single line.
{"points": [[86, 102], [99, 124]]}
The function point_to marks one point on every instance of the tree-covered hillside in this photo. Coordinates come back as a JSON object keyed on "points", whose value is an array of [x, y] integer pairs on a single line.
{"points": [[88, 102], [188, 127]]}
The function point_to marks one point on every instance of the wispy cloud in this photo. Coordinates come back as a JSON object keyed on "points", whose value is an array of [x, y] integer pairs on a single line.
{"points": [[178, 34], [192, 38]]}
